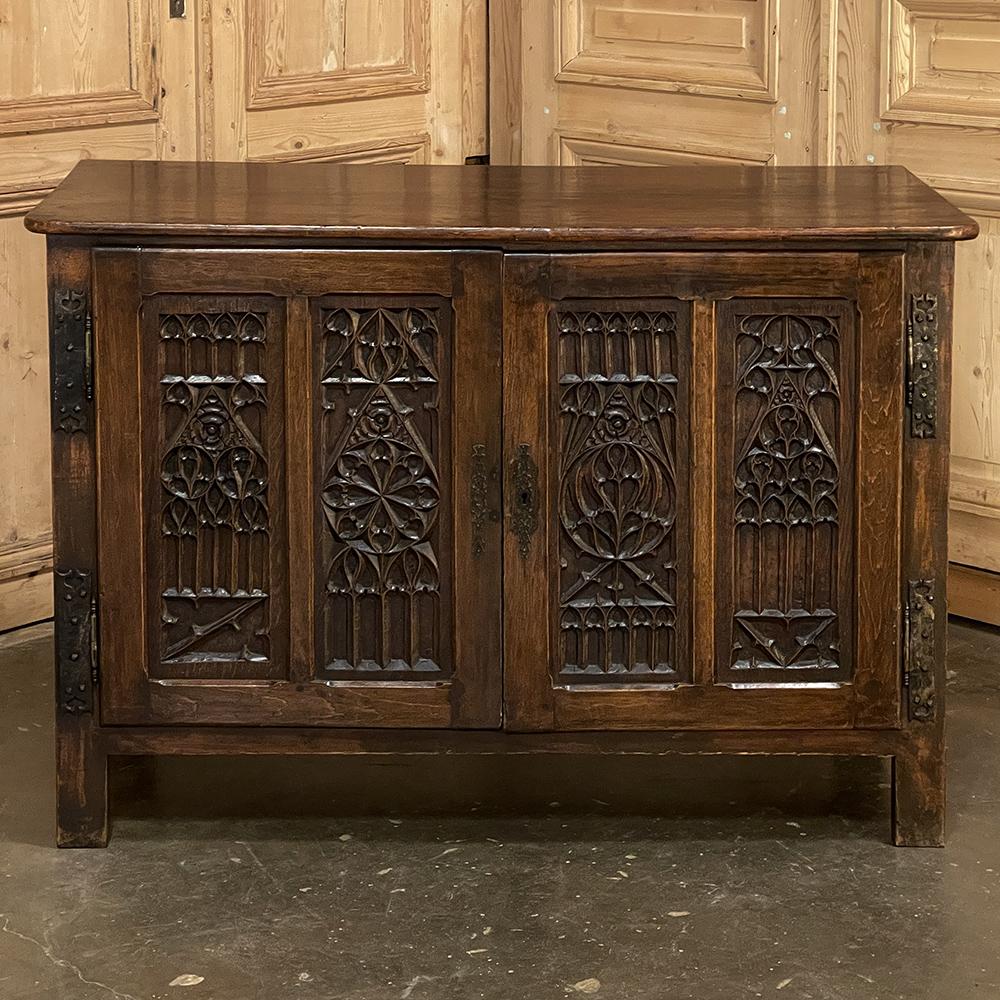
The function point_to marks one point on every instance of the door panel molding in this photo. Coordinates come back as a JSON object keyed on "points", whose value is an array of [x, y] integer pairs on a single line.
{"points": [[726, 48], [345, 71], [254, 370], [862, 292]]}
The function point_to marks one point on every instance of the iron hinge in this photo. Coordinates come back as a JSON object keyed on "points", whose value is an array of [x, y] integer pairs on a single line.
{"points": [[906, 645], [922, 365], [919, 650], [95, 672], [72, 361], [76, 641], [88, 355]]}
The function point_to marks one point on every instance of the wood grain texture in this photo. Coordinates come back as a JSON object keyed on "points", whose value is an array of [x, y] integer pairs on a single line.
{"points": [[879, 471], [974, 593], [919, 775], [498, 204], [81, 785], [219, 465], [200, 741]]}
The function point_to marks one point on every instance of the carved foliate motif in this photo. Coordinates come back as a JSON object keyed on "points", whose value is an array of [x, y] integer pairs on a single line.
{"points": [[618, 494], [71, 361], [214, 484], [380, 493], [787, 396]]}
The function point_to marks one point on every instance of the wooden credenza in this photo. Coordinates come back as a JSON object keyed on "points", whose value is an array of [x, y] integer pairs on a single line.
{"points": [[486, 460]]}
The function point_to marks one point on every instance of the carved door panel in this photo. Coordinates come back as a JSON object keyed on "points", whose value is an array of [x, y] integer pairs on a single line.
{"points": [[296, 472], [703, 481]]}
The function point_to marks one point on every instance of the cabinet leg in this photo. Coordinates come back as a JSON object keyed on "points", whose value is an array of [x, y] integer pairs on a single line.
{"points": [[81, 786], [918, 796]]}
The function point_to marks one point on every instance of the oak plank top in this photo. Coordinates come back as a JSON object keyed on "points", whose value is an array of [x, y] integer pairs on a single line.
{"points": [[497, 206]]}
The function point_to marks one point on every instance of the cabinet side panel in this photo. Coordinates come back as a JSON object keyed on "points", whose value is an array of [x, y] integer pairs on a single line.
{"points": [[786, 490]]}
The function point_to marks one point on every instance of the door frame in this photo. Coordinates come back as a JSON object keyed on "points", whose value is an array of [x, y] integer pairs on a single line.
{"points": [[532, 283], [471, 696]]}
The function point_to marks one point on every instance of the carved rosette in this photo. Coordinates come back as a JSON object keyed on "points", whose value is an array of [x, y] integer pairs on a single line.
{"points": [[380, 492], [617, 494]]}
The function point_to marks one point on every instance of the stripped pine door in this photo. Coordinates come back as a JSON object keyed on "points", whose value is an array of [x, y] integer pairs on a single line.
{"points": [[703, 487], [350, 81]]}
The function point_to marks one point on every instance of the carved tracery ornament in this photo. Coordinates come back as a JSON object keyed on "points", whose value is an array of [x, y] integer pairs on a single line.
{"points": [[214, 481], [787, 472], [380, 493], [618, 494]]}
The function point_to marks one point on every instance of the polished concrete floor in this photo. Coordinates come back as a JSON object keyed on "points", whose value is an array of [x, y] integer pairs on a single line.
{"points": [[520, 879]]}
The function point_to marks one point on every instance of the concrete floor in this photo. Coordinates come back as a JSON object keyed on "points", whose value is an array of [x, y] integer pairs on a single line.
{"points": [[465, 878]]}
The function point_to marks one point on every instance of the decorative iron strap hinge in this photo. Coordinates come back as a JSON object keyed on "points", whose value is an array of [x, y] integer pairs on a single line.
{"points": [[72, 361], [919, 650], [922, 365], [76, 641]]}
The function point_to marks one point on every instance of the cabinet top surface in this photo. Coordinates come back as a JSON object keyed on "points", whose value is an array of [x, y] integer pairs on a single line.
{"points": [[497, 206]]}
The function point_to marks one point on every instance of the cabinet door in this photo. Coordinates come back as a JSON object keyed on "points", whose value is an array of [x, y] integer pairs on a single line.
{"points": [[296, 455], [703, 459]]}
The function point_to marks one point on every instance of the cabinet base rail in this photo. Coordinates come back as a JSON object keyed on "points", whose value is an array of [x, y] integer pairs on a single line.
{"points": [[917, 761]]}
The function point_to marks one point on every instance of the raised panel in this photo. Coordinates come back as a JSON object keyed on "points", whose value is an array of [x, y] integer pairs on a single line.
{"points": [[720, 47], [383, 518], [578, 151], [622, 490], [215, 534], [941, 61], [785, 491], [76, 64], [405, 149], [329, 50]]}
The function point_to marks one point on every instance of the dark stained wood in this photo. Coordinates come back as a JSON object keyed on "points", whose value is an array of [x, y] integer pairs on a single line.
{"points": [[81, 763], [355, 481], [529, 700], [881, 379], [919, 776], [806, 692], [497, 206], [393, 620], [208, 740]]}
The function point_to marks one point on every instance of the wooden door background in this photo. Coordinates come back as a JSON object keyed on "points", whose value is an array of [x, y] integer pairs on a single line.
{"points": [[915, 82], [338, 80]]}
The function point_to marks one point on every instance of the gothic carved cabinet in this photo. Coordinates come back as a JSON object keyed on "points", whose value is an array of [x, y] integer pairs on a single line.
{"points": [[486, 460]]}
